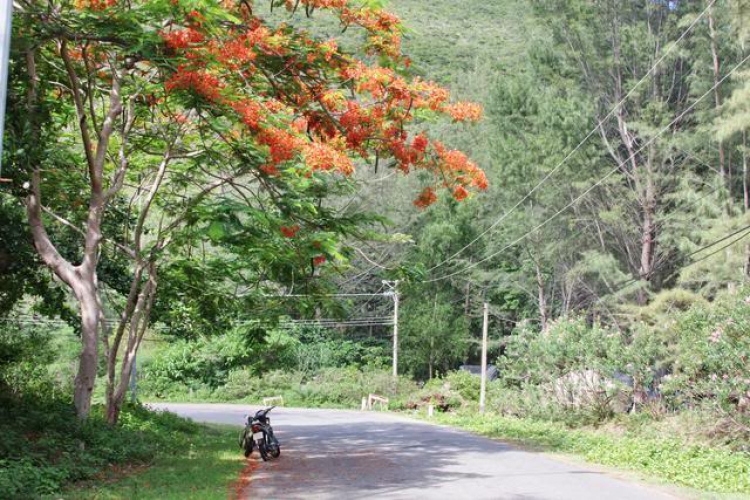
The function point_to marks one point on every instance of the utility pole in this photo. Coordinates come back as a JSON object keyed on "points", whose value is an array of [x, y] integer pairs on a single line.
{"points": [[6, 16], [393, 292], [483, 384]]}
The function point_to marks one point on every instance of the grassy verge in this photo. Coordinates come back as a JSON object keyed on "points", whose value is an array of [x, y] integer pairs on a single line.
{"points": [[44, 447], [695, 466], [206, 469]]}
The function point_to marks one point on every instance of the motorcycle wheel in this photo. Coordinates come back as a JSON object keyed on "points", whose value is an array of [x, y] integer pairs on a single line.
{"points": [[248, 447], [263, 451], [274, 449]]}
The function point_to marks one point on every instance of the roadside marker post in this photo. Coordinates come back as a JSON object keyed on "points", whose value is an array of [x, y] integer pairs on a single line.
{"points": [[375, 398], [273, 399]]}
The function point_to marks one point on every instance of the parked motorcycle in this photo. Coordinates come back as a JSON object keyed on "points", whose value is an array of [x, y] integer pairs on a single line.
{"points": [[258, 432]]}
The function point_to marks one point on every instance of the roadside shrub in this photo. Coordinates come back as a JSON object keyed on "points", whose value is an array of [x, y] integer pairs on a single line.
{"points": [[347, 386], [458, 388], [332, 387], [231, 364], [465, 384], [569, 345], [318, 349], [712, 363], [438, 393], [572, 362], [44, 445], [533, 402], [205, 362], [25, 353]]}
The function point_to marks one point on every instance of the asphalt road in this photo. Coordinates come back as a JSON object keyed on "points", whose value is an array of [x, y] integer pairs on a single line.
{"points": [[335, 454]]}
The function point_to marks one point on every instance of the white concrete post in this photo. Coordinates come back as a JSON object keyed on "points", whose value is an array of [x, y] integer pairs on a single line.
{"points": [[395, 332], [483, 383], [6, 16]]}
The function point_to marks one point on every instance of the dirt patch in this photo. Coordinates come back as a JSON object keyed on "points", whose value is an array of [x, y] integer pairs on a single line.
{"points": [[239, 489]]}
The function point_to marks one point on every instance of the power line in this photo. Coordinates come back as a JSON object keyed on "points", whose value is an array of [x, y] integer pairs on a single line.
{"points": [[580, 144], [745, 230], [593, 186], [707, 256], [332, 325], [297, 295], [329, 322]]}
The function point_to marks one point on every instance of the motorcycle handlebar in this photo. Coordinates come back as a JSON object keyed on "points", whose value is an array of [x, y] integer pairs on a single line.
{"points": [[264, 412]]}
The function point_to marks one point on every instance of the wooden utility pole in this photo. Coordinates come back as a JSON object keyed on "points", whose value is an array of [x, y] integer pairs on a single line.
{"points": [[393, 285], [483, 378]]}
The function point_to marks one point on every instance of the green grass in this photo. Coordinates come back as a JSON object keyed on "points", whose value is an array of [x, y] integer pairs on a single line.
{"points": [[45, 448], [670, 460], [206, 469]]}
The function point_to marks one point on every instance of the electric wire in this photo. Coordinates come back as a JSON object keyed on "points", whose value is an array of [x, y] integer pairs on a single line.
{"points": [[593, 186], [580, 144], [618, 287]]}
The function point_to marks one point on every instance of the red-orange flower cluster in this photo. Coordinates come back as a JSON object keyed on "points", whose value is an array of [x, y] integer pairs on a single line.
{"points": [[383, 28], [282, 145], [243, 48], [94, 5], [323, 156], [251, 112], [319, 260], [460, 193], [426, 198], [290, 231], [200, 82], [464, 111], [181, 39], [464, 171], [300, 99]]}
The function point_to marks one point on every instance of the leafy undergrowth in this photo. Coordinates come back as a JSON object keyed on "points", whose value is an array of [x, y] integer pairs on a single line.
{"points": [[327, 388], [44, 447], [204, 469], [692, 465]]}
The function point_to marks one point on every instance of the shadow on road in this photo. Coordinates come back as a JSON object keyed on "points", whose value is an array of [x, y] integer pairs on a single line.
{"points": [[391, 460]]}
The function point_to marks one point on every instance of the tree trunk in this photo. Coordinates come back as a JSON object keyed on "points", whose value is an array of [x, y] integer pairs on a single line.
{"points": [[746, 197], [88, 360], [542, 298], [717, 89], [138, 323], [648, 225], [745, 193], [82, 278], [647, 234]]}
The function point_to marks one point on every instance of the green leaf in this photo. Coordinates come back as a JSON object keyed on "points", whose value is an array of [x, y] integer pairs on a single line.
{"points": [[216, 231]]}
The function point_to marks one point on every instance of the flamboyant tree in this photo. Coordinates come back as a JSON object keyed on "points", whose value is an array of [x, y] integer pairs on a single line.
{"points": [[158, 105]]}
